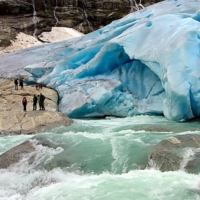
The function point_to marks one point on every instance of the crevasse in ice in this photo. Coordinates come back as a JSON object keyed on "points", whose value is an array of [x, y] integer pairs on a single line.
{"points": [[145, 63]]}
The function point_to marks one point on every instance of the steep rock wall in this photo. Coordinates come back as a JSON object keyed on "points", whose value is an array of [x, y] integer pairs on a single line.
{"points": [[35, 16]]}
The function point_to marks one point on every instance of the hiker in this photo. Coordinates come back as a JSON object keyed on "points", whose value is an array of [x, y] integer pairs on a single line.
{"points": [[42, 98], [16, 84], [24, 103], [35, 99], [37, 87], [40, 86], [38, 99], [21, 83]]}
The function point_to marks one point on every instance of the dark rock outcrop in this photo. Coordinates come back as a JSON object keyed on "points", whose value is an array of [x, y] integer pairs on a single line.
{"points": [[23, 150], [177, 153], [28, 151], [34, 17], [15, 154]]}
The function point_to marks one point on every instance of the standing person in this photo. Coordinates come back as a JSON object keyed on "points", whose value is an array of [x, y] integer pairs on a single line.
{"points": [[38, 99], [16, 84], [21, 83], [24, 103], [37, 87], [35, 99], [42, 98]]}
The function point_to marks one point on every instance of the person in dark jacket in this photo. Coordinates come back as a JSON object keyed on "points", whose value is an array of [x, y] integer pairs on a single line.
{"points": [[42, 98], [16, 84], [21, 83], [35, 99], [24, 103]]}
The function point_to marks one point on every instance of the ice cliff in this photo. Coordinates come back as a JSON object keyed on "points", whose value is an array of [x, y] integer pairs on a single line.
{"points": [[145, 63]]}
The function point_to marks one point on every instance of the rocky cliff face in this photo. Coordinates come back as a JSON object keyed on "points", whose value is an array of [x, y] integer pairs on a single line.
{"points": [[35, 16]]}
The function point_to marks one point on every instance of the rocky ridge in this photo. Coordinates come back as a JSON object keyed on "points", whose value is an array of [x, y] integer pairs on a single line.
{"points": [[35, 17]]}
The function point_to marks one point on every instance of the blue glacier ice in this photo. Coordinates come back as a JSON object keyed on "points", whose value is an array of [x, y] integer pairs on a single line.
{"points": [[145, 63]]}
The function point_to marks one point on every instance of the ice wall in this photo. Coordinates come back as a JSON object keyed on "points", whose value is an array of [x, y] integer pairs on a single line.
{"points": [[145, 63]]}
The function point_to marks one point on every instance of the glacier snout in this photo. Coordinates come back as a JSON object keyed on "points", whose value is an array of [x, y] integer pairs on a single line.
{"points": [[145, 63]]}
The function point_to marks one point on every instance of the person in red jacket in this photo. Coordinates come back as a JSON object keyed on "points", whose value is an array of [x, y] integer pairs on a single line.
{"points": [[24, 103]]}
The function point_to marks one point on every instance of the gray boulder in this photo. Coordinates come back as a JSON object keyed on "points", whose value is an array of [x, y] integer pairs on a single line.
{"points": [[177, 153], [29, 153], [15, 154]]}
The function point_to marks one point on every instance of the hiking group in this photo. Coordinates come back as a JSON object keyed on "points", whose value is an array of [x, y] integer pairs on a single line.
{"points": [[36, 99], [20, 82], [40, 99]]}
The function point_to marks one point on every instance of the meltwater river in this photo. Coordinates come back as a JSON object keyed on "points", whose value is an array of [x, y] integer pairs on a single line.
{"points": [[102, 159]]}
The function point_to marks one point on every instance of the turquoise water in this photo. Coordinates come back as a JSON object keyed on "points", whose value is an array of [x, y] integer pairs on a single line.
{"points": [[104, 159]]}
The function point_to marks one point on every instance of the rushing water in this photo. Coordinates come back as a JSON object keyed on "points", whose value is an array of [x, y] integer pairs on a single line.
{"points": [[104, 159]]}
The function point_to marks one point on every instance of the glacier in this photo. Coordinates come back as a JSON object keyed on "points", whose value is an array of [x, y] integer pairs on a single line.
{"points": [[148, 62]]}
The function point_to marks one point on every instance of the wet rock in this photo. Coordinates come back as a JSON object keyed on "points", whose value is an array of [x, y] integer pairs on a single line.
{"points": [[28, 151], [15, 154], [177, 153], [45, 141], [164, 127]]}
